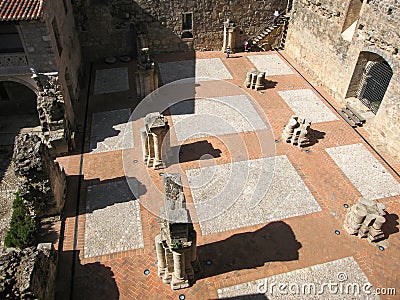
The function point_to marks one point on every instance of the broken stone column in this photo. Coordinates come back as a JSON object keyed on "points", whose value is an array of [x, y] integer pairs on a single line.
{"points": [[365, 219], [229, 36], [296, 131], [57, 125], [254, 79], [178, 262], [260, 81], [154, 139], [147, 77]]}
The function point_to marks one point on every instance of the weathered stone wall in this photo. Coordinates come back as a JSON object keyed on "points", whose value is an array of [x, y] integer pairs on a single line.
{"points": [[69, 61], [38, 48], [314, 40], [28, 273], [109, 27], [42, 182]]}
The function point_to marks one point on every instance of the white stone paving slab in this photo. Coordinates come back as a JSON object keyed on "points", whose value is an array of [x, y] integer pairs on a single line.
{"points": [[113, 222], [111, 80], [272, 65], [216, 116], [367, 174], [202, 69], [338, 279], [306, 104], [111, 130], [247, 193]]}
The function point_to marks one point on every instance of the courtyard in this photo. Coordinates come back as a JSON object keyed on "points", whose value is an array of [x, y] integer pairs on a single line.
{"points": [[263, 209]]}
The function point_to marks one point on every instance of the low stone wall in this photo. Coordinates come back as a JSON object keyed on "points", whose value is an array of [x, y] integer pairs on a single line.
{"points": [[28, 273], [42, 182]]}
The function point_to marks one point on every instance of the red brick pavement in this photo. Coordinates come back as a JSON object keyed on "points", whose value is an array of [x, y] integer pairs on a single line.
{"points": [[120, 275]]}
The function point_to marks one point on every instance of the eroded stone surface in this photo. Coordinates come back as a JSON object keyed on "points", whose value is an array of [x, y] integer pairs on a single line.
{"points": [[367, 174], [113, 222], [247, 193]]}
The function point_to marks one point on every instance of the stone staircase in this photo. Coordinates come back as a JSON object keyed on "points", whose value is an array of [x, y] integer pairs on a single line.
{"points": [[260, 41]]}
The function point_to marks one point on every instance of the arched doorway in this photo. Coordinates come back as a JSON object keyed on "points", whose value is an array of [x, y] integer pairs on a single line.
{"points": [[18, 111], [370, 80]]}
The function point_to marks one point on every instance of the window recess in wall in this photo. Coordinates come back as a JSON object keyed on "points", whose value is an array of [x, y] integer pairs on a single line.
{"points": [[187, 25]]}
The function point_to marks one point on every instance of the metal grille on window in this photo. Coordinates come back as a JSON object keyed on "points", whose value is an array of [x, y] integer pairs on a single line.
{"points": [[373, 85]]}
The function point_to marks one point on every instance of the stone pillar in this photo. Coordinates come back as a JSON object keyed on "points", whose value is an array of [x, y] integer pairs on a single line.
{"points": [[231, 39], [145, 147], [179, 279], [225, 33], [157, 150], [260, 81], [161, 261], [179, 265], [229, 36], [153, 136]]}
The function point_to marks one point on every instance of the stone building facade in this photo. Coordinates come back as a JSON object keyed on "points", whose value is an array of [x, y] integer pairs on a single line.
{"points": [[39, 38], [351, 49], [111, 27]]}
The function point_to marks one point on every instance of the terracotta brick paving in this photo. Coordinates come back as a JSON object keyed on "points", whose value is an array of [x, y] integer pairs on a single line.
{"points": [[238, 255]]}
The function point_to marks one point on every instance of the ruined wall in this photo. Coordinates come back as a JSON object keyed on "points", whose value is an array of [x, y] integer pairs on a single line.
{"points": [[314, 40], [41, 181], [110, 27], [28, 273], [59, 19]]}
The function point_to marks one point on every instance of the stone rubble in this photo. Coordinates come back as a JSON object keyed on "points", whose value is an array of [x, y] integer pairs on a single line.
{"points": [[22, 273], [176, 247], [296, 131], [365, 219]]}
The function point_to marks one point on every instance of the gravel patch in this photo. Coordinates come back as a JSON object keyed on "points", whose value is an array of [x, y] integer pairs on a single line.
{"points": [[201, 69], [111, 80], [111, 130], [227, 115], [345, 276], [306, 104], [367, 174], [247, 193], [272, 65], [113, 222]]}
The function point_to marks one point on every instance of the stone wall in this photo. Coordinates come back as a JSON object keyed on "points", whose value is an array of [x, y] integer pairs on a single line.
{"points": [[314, 40], [28, 273], [42, 182], [110, 27], [38, 48], [59, 16]]}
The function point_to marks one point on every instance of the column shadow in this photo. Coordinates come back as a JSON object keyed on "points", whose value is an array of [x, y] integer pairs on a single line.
{"points": [[274, 242]]}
